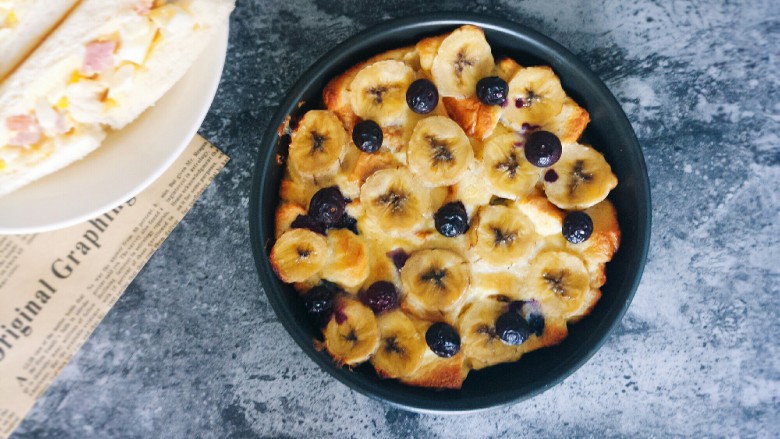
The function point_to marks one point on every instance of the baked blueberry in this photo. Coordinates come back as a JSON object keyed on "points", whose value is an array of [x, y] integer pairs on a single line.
{"points": [[381, 296], [543, 149], [536, 324], [347, 222], [451, 219], [327, 206], [399, 257], [443, 339], [577, 227], [307, 222], [422, 96], [512, 328], [318, 302], [367, 136], [531, 311], [517, 306], [492, 90]]}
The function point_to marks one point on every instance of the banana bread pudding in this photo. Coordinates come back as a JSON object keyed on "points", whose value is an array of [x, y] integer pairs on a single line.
{"points": [[439, 215]]}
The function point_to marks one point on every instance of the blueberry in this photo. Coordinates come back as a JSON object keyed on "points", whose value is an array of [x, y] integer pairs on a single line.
{"points": [[536, 324], [307, 222], [543, 149], [443, 339], [577, 227], [367, 136], [327, 206], [531, 311], [512, 328], [451, 219], [517, 306], [380, 296], [347, 222], [399, 257], [318, 302], [492, 90], [422, 96], [551, 176]]}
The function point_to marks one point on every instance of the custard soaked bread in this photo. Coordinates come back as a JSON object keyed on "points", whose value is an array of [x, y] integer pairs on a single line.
{"points": [[440, 216]]}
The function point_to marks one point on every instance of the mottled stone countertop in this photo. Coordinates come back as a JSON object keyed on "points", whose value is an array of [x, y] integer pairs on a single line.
{"points": [[193, 348]]}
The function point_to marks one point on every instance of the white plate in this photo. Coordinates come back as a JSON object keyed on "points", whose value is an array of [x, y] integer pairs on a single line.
{"points": [[127, 162]]}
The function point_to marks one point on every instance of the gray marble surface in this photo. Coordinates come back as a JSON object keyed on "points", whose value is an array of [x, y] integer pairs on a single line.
{"points": [[194, 350]]}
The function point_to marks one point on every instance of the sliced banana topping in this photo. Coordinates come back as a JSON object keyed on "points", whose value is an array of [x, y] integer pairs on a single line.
{"points": [[503, 236], [535, 96], [560, 279], [435, 279], [299, 254], [378, 92], [481, 344], [401, 347], [439, 152], [318, 146], [393, 200], [583, 178], [463, 58], [509, 173], [348, 265], [352, 334]]}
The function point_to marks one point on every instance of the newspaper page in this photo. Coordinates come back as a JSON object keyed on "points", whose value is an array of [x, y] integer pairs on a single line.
{"points": [[56, 287]]}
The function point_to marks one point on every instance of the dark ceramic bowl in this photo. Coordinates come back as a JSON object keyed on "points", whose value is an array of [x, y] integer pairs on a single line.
{"points": [[609, 130]]}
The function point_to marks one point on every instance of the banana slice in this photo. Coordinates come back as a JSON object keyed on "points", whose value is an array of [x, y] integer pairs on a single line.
{"points": [[503, 236], [378, 92], [435, 279], [584, 178], [439, 152], [299, 254], [352, 334], [463, 59], [479, 341], [535, 96], [560, 280], [349, 265], [318, 146], [401, 347], [509, 173], [393, 199]]}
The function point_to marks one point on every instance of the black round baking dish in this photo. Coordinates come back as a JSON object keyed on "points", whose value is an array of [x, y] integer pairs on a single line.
{"points": [[609, 130]]}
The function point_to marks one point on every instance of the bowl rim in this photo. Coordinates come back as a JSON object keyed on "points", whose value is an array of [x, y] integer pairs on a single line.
{"points": [[372, 36]]}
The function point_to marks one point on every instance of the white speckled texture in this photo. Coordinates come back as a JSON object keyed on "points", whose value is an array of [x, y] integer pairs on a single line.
{"points": [[194, 350]]}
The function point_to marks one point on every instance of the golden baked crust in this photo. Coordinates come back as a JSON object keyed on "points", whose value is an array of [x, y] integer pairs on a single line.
{"points": [[570, 123], [445, 374], [532, 216], [477, 119]]}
